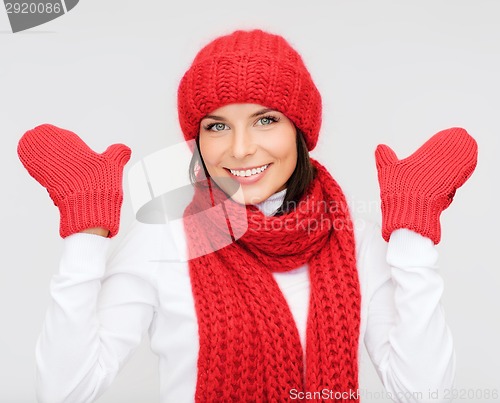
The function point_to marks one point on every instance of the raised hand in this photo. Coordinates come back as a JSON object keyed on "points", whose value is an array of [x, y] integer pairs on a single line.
{"points": [[415, 190], [84, 185]]}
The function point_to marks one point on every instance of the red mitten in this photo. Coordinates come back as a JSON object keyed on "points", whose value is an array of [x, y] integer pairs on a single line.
{"points": [[84, 185], [415, 190]]}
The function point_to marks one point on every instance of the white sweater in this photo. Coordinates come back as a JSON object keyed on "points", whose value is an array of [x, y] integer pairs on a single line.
{"points": [[102, 307]]}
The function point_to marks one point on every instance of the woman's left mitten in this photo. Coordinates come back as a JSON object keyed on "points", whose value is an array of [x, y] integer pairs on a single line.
{"points": [[84, 185], [415, 190]]}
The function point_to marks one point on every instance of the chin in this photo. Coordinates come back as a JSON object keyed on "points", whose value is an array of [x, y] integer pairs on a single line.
{"points": [[239, 198], [249, 197], [244, 194]]}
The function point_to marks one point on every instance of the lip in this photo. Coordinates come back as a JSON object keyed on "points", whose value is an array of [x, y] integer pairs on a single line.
{"points": [[244, 169], [247, 180]]}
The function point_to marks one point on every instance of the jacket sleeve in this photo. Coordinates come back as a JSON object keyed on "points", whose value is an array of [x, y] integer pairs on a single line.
{"points": [[99, 311], [406, 336]]}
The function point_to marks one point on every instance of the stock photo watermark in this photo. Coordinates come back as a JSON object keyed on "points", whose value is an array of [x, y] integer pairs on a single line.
{"points": [[429, 395], [26, 14], [160, 192]]}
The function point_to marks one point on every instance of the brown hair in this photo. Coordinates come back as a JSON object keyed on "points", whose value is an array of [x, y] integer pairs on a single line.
{"points": [[296, 185]]}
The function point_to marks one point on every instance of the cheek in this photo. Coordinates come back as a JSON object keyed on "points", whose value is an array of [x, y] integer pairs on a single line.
{"points": [[209, 151], [284, 146]]}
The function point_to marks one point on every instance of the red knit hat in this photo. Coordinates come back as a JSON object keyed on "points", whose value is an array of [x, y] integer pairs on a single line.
{"points": [[250, 67]]}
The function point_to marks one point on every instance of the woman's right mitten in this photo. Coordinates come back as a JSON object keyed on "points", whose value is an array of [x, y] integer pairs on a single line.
{"points": [[415, 190], [84, 185]]}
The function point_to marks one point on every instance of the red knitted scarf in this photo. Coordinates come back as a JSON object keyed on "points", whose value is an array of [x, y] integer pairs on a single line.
{"points": [[250, 348]]}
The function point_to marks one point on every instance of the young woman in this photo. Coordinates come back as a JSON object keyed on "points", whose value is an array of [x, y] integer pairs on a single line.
{"points": [[268, 291]]}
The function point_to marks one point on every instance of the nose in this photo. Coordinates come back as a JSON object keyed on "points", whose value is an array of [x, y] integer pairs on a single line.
{"points": [[243, 144]]}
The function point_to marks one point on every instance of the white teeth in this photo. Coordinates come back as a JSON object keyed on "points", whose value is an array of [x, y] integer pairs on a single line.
{"points": [[249, 172]]}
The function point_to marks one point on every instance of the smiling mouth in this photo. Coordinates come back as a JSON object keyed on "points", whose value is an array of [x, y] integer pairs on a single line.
{"points": [[248, 172]]}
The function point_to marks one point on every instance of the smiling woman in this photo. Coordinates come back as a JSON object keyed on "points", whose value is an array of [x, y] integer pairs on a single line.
{"points": [[267, 290], [253, 146], [277, 137]]}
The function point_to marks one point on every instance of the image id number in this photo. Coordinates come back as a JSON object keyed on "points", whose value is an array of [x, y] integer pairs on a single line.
{"points": [[33, 8]]}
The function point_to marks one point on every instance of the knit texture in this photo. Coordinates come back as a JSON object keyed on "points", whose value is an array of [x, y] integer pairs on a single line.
{"points": [[249, 67], [250, 349], [415, 190], [84, 185]]}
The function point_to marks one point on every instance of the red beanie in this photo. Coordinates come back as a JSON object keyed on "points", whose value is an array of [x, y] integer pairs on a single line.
{"points": [[250, 67]]}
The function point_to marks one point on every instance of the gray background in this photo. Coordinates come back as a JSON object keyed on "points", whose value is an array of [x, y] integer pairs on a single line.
{"points": [[389, 71]]}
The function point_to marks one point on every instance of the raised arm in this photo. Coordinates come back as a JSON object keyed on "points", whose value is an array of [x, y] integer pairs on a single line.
{"points": [[407, 336], [98, 313]]}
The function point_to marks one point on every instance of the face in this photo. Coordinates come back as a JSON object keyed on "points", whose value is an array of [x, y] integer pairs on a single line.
{"points": [[250, 148]]}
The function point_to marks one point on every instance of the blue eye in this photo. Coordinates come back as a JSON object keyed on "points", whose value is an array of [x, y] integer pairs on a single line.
{"points": [[218, 127], [267, 120]]}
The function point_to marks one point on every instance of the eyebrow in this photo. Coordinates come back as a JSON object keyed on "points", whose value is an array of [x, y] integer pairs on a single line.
{"points": [[258, 113]]}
